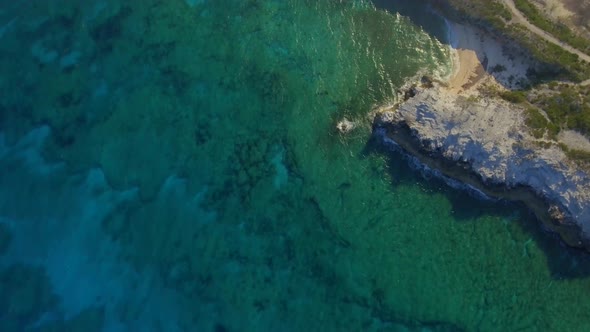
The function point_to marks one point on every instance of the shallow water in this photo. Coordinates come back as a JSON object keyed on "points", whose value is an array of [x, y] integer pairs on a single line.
{"points": [[173, 166]]}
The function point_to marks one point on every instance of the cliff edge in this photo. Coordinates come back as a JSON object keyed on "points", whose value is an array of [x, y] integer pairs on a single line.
{"points": [[464, 128], [486, 144]]}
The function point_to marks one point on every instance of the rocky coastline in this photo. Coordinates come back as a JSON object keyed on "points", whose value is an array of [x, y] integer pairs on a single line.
{"points": [[484, 143], [461, 130]]}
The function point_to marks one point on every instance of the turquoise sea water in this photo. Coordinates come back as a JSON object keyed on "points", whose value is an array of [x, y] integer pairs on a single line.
{"points": [[174, 166]]}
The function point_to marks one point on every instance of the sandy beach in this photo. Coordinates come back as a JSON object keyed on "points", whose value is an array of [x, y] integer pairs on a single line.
{"points": [[465, 56], [475, 55]]}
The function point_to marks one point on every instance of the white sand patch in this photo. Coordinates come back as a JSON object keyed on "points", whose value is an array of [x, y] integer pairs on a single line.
{"points": [[476, 54]]}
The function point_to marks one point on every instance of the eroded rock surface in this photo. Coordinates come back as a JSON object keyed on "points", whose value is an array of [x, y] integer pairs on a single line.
{"points": [[489, 139]]}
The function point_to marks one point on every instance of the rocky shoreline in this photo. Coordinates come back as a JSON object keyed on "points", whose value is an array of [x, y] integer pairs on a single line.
{"points": [[485, 144]]}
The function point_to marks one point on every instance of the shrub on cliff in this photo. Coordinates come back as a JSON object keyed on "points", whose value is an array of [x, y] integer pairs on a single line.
{"points": [[539, 125], [558, 30], [515, 97]]}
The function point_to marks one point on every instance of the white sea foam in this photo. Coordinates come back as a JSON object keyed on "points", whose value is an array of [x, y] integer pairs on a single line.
{"points": [[453, 43]]}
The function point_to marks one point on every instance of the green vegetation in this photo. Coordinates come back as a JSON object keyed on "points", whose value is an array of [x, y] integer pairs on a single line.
{"points": [[556, 57], [568, 108], [579, 156], [516, 97], [558, 63], [472, 99], [491, 13], [565, 106], [539, 125], [553, 107], [494, 17], [558, 30]]}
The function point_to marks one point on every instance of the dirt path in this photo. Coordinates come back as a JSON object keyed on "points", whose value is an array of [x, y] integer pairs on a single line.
{"points": [[520, 18]]}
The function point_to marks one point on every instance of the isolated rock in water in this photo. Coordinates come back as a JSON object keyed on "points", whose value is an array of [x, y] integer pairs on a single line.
{"points": [[345, 126], [556, 213]]}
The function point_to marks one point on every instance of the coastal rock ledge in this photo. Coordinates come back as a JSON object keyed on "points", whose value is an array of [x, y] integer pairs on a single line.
{"points": [[485, 144]]}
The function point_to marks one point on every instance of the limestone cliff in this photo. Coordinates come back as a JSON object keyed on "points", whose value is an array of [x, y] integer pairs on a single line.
{"points": [[485, 143]]}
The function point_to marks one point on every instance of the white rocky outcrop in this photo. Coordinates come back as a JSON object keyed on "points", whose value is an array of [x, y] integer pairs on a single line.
{"points": [[345, 126], [490, 136]]}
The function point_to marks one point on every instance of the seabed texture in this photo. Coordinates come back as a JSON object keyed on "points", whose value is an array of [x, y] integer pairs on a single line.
{"points": [[174, 166]]}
